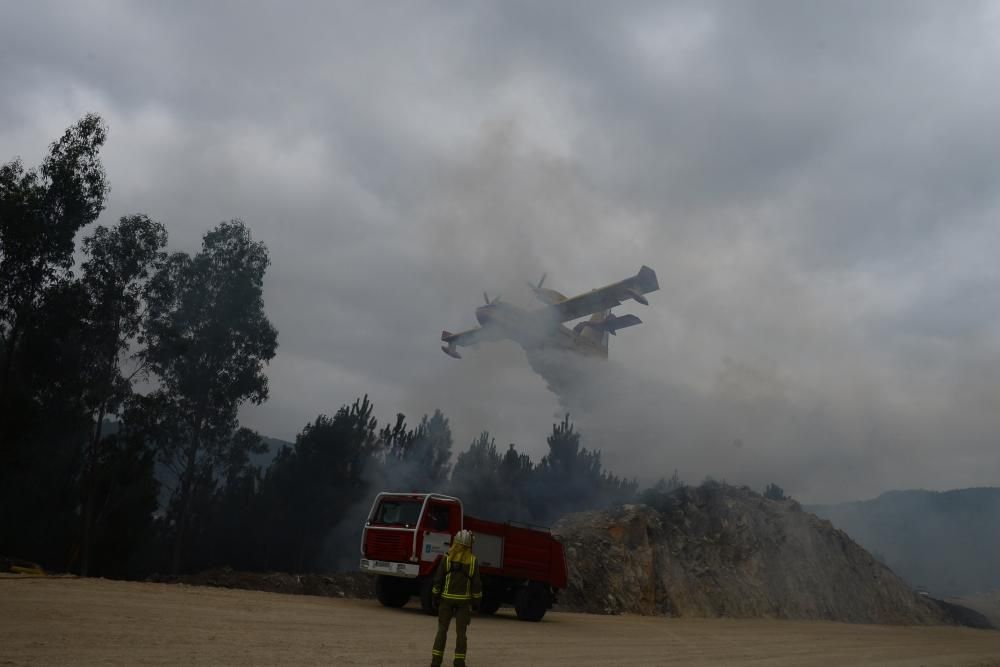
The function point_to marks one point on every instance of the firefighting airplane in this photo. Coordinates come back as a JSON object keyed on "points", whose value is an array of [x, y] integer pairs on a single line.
{"points": [[544, 328]]}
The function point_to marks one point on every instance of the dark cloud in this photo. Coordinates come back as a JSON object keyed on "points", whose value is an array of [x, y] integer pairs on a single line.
{"points": [[815, 184]]}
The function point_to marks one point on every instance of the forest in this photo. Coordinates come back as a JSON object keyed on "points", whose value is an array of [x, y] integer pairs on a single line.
{"points": [[123, 367]]}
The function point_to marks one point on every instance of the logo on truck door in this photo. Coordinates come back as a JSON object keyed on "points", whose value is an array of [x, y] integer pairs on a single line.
{"points": [[434, 544]]}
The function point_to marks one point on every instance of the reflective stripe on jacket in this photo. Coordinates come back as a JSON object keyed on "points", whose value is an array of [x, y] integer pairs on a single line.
{"points": [[458, 582]]}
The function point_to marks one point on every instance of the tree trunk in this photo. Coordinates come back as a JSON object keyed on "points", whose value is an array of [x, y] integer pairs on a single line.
{"points": [[90, 485], [8, 365], [187, 484], [91, 463]]}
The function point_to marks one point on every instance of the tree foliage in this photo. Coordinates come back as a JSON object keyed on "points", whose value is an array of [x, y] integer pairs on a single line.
{"points": [[119, 262], [41, 210], [508, 485], [207, 340], [573, 477], [774, 492], [413, 459], [43, 328], [312, 487]]}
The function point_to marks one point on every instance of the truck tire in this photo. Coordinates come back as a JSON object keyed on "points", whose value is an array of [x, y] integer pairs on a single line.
{"points": [[427, 601], [390, 591], [531, 601]]}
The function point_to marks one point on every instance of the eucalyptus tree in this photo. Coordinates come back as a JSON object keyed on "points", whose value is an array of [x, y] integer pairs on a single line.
{"points": [[207, 340], [42, 311], [41, 211], [115, 278]]}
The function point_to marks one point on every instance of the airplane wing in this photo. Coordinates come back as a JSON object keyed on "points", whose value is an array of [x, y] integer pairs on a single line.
{"points": [[608, 296], [466, 338], [610, 324]]}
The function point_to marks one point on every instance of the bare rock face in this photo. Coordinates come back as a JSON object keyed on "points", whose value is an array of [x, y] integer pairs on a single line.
{"points": [[717, 550]]}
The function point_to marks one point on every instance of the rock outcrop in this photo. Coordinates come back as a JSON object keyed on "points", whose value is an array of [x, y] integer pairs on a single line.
{"points": [[717, 550]]}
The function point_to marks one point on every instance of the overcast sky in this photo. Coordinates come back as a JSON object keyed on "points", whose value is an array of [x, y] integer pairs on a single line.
{"points": [[817, 185]]}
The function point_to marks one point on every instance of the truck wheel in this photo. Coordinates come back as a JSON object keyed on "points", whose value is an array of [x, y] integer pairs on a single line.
{"points": [[390, 591], [489, 605], [531, 601], [427, 602]]}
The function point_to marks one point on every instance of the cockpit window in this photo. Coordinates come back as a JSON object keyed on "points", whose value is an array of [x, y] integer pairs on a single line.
{"points": [[398, 513]]}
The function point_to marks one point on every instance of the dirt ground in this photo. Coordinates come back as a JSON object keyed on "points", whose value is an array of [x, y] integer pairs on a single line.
{"points": [[69, 621]]}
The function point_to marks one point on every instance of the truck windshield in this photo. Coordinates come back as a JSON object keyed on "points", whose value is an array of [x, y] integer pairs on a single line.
{"points": [[398, 512]]}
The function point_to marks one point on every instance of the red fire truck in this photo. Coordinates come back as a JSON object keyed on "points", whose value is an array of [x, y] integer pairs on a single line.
{"points": [[406, 534]]}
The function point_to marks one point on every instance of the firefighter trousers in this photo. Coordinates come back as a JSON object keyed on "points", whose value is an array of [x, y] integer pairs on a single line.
{"points": [[462, 614]]}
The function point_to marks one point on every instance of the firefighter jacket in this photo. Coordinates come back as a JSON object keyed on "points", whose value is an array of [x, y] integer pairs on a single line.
{"points": [[458, 582]]}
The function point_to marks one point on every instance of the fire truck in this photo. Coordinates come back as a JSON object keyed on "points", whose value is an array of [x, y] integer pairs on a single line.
{"points": [[406, 534]]}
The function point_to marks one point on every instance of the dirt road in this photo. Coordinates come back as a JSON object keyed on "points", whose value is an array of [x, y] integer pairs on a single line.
{"points": [[66, 621]]}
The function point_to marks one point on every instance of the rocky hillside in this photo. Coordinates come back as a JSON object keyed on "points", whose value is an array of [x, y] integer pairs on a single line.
{"points": [[717, 550]]}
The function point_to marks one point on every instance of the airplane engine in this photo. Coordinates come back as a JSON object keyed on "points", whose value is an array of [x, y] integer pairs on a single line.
{"points": [[546, 295]]}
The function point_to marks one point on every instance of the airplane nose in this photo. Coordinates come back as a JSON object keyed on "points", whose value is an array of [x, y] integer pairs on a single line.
{"points": [[482, 315]]}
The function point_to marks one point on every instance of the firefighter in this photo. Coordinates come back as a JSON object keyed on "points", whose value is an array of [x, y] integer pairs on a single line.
{"points": [[458, 590]]}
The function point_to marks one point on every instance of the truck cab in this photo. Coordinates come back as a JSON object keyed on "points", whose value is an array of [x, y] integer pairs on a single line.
{"points": [[406, 534]]}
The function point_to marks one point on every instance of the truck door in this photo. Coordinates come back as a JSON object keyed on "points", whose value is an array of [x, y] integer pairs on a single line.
{"points": [[441, 521]]}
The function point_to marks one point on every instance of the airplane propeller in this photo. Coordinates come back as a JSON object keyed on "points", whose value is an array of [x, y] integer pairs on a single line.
{"points": [[487, 299], [544, 294], [535, 288]]}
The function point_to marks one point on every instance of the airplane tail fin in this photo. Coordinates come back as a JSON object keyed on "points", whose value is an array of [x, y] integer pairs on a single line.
{"points": [[646, 278], [450, 348]]}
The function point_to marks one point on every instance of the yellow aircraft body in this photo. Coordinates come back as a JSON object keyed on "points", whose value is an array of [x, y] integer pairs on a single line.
{"points": [[544, 328]]}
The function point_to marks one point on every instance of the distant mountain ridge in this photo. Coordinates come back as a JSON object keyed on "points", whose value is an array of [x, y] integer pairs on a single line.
{"points": [[945, 541]]}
